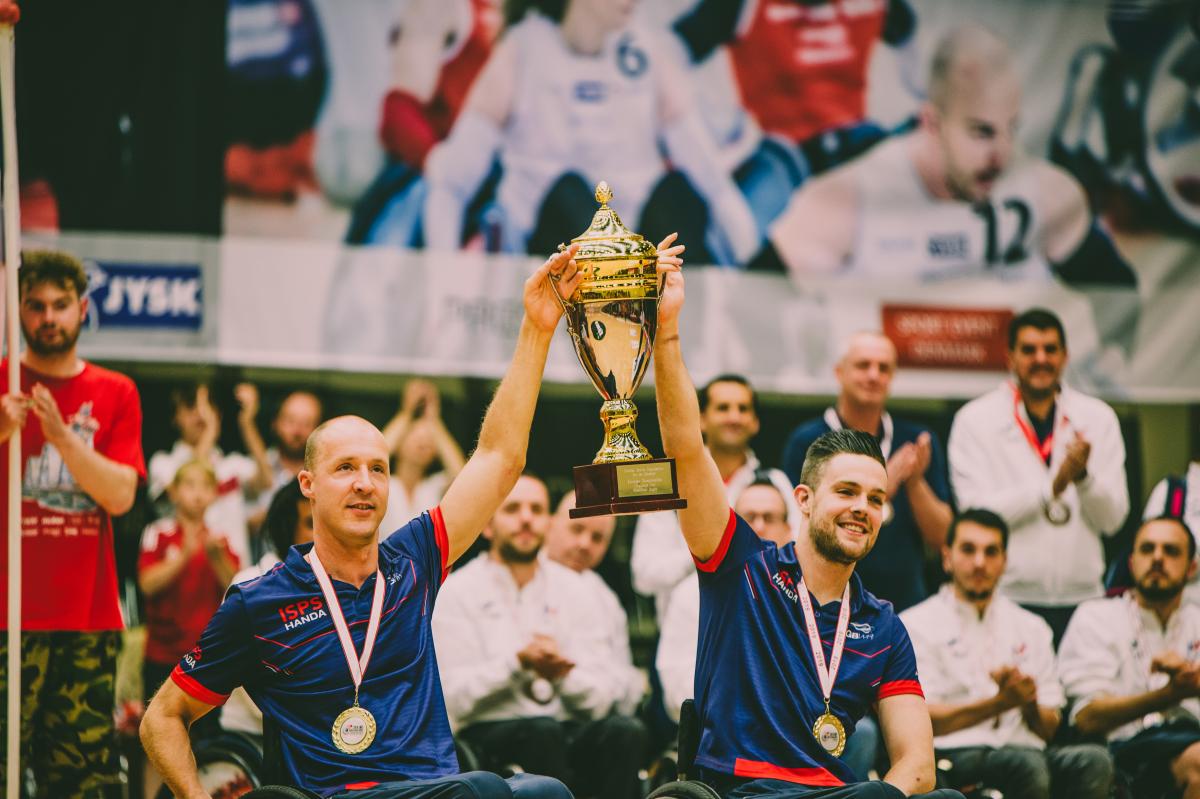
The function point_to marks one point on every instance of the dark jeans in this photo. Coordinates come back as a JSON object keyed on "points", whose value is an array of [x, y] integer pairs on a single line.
{"points": [[736, 788], [1083, 771], [1056, 616], [595, 758], [472, 785]]}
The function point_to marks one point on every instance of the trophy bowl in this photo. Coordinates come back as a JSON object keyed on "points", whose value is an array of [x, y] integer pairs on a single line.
{"points": [[612, 317]]}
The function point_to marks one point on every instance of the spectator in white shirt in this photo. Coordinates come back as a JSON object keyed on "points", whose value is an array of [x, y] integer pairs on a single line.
{"points": [[729, 419], [523, 664], [238, 476], [580, 545], [1131, 665], [1051, 462], [417, 437], [987, 669]]}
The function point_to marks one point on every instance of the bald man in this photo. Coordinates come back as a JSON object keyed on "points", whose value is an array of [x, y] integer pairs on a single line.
{"points": [[953, 198], [919, 510], [335, 644]]}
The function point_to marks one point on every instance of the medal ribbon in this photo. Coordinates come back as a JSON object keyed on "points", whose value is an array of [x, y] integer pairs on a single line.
{"points": [[1042, 448], [827, 676], [358, 665]]}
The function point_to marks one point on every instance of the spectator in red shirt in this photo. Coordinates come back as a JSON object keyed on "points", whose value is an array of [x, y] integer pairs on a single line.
{"points": [[183, 571], [80, 429]]}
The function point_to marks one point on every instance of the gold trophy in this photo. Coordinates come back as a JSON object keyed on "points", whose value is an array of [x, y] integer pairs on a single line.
{"points": [[612, 317]]}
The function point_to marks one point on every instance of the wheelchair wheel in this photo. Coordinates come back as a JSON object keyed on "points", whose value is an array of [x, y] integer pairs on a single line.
{"points": [[684, 789], [280, 792], [229, 766]]}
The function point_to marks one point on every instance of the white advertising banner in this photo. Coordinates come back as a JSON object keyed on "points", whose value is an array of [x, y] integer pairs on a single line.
{"points": [[323, 306]]}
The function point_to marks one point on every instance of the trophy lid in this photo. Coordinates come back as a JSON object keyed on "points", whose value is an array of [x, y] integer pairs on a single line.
{"points": [[607, 237]]}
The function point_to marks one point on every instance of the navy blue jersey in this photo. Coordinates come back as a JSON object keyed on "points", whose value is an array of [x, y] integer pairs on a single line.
{"points": [[895, 569], [273, 635], [757, 691]]}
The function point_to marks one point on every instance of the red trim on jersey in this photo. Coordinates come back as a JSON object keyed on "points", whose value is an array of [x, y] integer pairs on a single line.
{"points": [[195, 690], [898, 687], [714, 560], [360, 786], [804, 776], [442, 539]]}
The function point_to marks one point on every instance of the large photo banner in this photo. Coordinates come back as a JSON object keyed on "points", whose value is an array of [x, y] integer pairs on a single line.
{"points": [[962, 150], [325, 306]]}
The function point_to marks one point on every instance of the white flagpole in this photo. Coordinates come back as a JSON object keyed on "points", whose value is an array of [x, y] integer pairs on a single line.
{"points": [[12, 260]]}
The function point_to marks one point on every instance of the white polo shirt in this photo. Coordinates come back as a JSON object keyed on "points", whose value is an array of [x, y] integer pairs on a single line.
{"points": [[1108, 648], [956, 649]]}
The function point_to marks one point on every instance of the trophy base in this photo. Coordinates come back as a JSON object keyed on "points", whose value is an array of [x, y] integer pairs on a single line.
{"points": [[611, 489]]}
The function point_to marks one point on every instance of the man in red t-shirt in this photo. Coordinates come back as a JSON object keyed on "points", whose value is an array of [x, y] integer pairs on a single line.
{"points": [[81, 447]]}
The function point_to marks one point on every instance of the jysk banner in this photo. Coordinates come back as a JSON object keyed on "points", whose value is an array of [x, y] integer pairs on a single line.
{"points": [[146, 295]]}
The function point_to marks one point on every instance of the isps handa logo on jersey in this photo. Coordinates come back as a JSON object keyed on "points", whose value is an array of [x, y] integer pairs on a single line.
{"points": [[302, 612]]}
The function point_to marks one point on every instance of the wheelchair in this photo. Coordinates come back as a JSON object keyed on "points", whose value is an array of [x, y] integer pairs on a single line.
{"points": [[235, 766], [689, 787]]}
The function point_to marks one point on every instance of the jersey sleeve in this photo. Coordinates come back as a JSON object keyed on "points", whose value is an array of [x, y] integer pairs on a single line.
{"points": [[424, 539], [223, 656], [124, 441], [153, 548], [738, 544], [900, 670]]}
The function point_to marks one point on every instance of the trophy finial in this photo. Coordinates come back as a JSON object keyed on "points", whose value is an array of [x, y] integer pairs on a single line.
{"points": [[603, 192]]}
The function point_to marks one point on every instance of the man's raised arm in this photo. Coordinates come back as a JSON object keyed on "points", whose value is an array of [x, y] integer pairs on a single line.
{"points": [[499, 457], [704, 519]]}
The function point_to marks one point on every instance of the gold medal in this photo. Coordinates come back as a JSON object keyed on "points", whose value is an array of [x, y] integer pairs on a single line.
{"points": [[354, 730], [830, 734]]}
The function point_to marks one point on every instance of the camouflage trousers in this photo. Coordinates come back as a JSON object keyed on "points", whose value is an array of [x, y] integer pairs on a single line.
{"points": [[66, 711]]}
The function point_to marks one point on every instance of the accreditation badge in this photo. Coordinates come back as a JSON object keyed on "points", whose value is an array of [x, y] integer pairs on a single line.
{"points": [[353, 730]]}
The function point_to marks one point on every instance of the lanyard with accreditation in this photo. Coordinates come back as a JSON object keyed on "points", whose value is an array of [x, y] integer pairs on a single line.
{"points": [[1057, 512]]}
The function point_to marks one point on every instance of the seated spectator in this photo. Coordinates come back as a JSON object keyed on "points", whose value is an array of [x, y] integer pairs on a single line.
{"points": [[987, 669], [546, 105], [580, 545], [522, 658], [183, 571], [1179, 496], [289, 521], [729, 419], [1130, 665], [199, 426], [417, 437]]}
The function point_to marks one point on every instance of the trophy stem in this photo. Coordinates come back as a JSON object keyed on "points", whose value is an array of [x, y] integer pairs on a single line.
{"points": [[621, 443]]}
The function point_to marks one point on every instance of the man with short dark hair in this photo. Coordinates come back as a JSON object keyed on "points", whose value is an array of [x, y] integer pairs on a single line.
{"points": [[729, 419], [918, 509], [775, 706], [1051, 462], [525, 662], [299, 414], [335, 644], [1131, 666], [81, 452], [987, 668]]}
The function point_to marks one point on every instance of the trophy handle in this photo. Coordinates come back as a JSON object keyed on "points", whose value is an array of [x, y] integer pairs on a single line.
{"points": [[553, 280]]}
